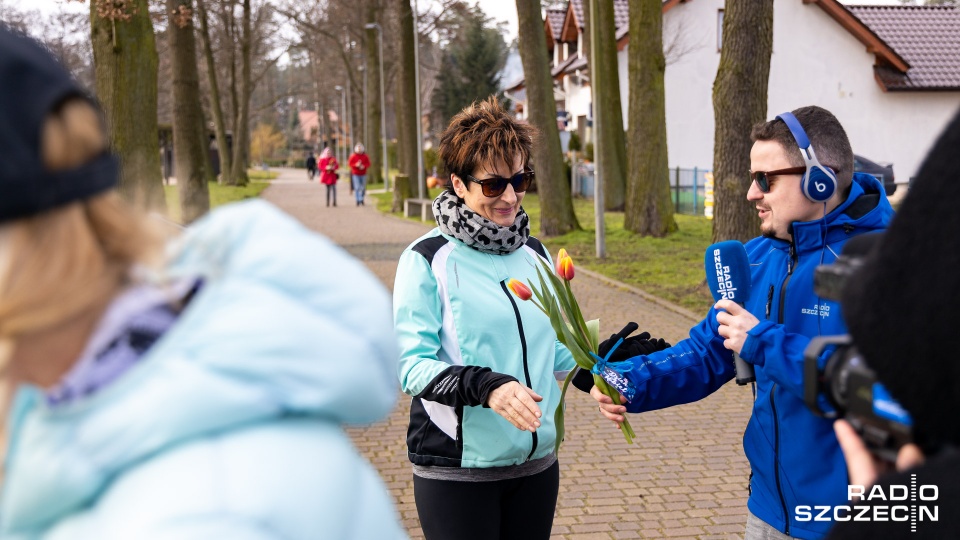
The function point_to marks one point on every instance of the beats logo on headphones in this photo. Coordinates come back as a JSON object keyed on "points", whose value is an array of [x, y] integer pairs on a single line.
{"points": [[819, 182]]}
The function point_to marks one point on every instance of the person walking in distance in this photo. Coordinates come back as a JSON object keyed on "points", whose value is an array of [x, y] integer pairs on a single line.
{"points": [[311, 166], [328, 174], [359, 162]]}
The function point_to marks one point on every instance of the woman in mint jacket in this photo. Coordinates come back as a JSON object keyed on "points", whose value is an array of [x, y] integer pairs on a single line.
{"points": [[199, 398], [480, 364]]}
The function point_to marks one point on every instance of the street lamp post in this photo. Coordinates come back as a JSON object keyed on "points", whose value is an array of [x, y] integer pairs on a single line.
{"points": [[416, 76], [349, 116], [341, 133], [366, 136], [598, 202], [383, 107]]}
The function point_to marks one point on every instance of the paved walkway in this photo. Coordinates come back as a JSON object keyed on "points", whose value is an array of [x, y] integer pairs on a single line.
{"points": [[684, 477]]}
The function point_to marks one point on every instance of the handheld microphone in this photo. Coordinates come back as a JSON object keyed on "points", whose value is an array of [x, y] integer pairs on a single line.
{"points": [[728, 274]]}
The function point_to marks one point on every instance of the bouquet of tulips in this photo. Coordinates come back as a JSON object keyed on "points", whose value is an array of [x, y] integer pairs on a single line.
{"points": [[555, 299]]}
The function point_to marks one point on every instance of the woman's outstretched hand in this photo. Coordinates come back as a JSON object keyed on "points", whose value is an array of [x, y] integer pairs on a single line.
{"points": [[518, 404]]}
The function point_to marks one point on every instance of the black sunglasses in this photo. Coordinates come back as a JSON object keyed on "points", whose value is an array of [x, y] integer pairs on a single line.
{"points": [[495, 186], [764, 178]]}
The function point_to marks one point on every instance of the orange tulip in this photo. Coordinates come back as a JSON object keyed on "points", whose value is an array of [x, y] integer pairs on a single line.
{"points": [[519, 289], [566, 268], [561, 255]]}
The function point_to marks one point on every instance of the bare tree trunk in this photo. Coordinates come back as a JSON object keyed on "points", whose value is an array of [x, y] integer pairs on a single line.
{"points": [[613, 148], [241, 135], [218, 121], [374, 14], [125, 58], [739, 102], [407, 95], [648, 211], [553, 187], [189, 142]]}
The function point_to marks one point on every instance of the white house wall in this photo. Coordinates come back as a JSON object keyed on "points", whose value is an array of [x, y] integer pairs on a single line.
{"points": [[815, 62], [578, 102]]}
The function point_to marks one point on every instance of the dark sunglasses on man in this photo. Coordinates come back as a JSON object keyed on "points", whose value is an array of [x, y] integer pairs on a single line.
{"points": [[495, 186], [764, 178]]}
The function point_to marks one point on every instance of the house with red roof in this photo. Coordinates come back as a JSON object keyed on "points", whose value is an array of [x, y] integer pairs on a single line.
{"points": [[891, 74]]}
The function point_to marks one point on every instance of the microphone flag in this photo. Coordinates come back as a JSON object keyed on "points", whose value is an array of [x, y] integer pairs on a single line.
{"points": [[728, 275]]}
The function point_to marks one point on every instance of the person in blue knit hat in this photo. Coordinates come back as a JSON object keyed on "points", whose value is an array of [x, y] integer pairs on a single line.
{"points": [[197, 392]]}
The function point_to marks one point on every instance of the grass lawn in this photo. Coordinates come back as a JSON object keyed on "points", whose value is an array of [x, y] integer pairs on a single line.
{"points": [[259, 174], [220, 195], [670, 268]]}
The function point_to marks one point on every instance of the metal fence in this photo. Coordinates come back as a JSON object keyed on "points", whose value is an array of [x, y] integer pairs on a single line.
{"points": [[686, 187]]}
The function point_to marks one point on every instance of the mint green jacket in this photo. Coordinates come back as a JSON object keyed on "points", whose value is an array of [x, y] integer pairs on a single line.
{"points": [[460, 330]]}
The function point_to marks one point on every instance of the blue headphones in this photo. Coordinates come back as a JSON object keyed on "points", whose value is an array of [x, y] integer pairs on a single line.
{"points": [[819, 182]]}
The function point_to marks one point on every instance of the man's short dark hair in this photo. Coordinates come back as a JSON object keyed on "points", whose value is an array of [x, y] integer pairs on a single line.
{"points": [[827, 136]]}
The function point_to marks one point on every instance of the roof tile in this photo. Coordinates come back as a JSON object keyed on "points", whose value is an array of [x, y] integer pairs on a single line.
{"points": [[621, 12], [555, 18], [927, 37]]}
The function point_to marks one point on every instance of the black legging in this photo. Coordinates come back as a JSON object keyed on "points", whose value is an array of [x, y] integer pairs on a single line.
{"points": [[332, 189], [517, 509]]}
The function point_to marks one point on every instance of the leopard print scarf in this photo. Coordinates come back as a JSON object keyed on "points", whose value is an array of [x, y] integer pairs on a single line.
{"points": [[454, 218]]}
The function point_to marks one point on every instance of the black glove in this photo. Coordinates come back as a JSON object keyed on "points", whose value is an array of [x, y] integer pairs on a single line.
{"points": [[633, 346]]}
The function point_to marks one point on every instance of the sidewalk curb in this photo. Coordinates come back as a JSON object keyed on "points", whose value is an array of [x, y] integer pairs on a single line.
{"points": [[643, 294]]}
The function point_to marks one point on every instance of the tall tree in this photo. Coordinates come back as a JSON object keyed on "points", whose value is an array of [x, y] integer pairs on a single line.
{"points": [[189, 137], [219, 123], [553, 187], [125, 58], [374, 14], [648, 211], [613, 144], [470, 67], [739, 102], [241, 133], [406, 104]]}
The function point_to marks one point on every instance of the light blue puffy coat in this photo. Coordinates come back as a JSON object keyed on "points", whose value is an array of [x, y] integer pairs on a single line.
{"points": [[230, 426]]}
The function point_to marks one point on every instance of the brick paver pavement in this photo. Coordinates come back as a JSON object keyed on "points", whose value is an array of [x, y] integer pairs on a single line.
{"points": [[684, 477]]}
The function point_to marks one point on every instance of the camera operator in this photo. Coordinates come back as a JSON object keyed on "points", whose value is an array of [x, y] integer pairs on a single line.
{"points": [[901, 308]]}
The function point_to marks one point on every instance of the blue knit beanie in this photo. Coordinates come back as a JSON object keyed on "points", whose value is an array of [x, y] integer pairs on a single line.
{"points": [[32, 85]]}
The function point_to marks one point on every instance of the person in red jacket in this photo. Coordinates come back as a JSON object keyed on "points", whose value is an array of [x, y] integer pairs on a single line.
{"points": [[328, 174], [359, 163]]}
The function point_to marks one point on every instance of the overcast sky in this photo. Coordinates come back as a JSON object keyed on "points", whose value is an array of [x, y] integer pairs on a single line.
{"points": [[500, 10]]}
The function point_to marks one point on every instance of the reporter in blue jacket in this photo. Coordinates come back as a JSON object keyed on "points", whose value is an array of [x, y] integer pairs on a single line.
{"points": [[810, 203]]}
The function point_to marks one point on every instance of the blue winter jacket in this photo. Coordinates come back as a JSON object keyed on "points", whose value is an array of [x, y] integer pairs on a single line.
{"points": [[230, 425], [794, 455]]}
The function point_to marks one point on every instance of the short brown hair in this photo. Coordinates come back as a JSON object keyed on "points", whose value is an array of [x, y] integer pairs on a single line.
{"points": [[484, 134], [827, 136]]}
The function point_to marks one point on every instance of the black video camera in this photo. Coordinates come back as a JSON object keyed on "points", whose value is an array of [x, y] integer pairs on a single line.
{"points": [[846, 382]]}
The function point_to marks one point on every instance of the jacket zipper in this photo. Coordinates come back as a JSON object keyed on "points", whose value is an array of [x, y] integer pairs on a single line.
{"points": [[769, 301], [523, 348], [773, 391], [776, 459]]}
